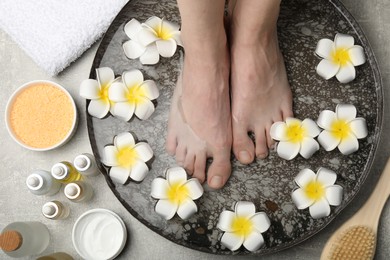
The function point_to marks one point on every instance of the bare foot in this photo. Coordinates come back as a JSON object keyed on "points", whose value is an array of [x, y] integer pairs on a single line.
{"points": [[200, 121], [261, 94]]}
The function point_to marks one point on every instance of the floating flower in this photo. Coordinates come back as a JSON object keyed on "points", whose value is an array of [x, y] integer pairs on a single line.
{"points": [[339, 58], [127, 158], [97, 91], [151, 39], [243, 226], [317, 191], [176, 194], [341, 129], [295, 136], [133, 96]]}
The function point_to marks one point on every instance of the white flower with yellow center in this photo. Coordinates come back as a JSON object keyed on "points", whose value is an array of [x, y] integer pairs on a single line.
{"points": [[97, 91], [243, 226], [151, 39], [339, 58], [341, 129], [127, 158], [176, 194], [134, 96], [317, 192], [295, 136]]}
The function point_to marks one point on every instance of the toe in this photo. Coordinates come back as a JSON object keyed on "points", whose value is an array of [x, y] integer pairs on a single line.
{"points": [[171, 142], [243, 146], [200, 166], [219, 170], [261, 143], [189, 162], [181, 153]]}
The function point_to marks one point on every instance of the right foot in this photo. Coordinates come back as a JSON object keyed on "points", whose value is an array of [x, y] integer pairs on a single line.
{"points": [[200, 121]]}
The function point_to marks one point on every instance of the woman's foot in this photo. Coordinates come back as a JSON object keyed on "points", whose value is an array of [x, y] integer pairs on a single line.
{"points": [[261, 94]]}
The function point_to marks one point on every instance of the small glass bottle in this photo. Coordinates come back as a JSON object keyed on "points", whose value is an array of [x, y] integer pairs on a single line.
{"points": [[55, 210], [86, 164], [78, 191], [65, 172], [56, 256], [19, 239], [42, 183]]}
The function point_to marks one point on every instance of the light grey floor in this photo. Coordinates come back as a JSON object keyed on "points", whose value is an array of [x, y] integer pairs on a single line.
{"points": [[17, 204]]}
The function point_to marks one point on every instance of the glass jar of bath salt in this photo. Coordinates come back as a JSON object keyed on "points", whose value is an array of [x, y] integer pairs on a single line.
{"points": [[42, 183], [86, 164], [78, 191], [19, 239], [55, 210], [56, 256], [65, 172]]}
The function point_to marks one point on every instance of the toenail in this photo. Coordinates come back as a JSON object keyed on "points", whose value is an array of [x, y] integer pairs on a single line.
{"points": [[244, 156], [216, 182], [262, 156]]}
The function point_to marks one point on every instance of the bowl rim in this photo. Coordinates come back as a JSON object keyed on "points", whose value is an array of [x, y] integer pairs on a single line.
{"points": [[12, 98]]}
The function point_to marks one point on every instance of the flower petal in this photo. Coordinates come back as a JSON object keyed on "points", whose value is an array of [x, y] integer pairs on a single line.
{"points": [[300, 199], [327, 69], [133, 78], [231, 241], [346, 73], [288, 150], [176, 175], [326, 118], [324, 48], [139, 171], [334, 195], [261, 222], [166, 209], [304, 177], [169, 26], [133, 49], [147, 36], [194, 188], [293, 121], [124, 139], [311, 127], [359, 127], [166, 48], [90, 89], [343, 41], [308, 147], [177, 37], [110, 152], [132, 28], [187, 209], [225, 220], [105, 76], [98, 108], [346, 112], [320, 209], [159, 188], [253, 241], [278, 131], [326, 177], [154, 23], [150, 89], [144, 151], [119, 174], [348, 145], [117, 92], [150, 56], [144, 109], [356, 54], [328, 141], [245, 208], [123, 110]]}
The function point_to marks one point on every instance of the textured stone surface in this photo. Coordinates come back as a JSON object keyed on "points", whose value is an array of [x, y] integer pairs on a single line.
{"points": [[17, 203]]}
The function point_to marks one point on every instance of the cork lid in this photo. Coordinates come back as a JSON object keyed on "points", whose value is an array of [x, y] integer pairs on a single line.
{"points": [[10, 240]]}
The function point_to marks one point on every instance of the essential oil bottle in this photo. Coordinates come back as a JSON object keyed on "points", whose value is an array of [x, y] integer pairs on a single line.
{"points": [[78, 191], [65, 172], [86, 164], [56, 256], [41, 182], [55, 210]]}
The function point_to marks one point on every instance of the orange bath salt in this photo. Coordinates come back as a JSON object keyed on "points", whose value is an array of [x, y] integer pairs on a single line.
{"points": [[41, 115]]}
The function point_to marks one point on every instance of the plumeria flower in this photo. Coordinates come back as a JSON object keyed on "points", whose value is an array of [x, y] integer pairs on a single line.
{"points": [[176, 194], [243, 226], [295, 136], [317, 192], [97, 91], [151, 39], [339, 58], [341, 129], [127, 158], [133, 96]]}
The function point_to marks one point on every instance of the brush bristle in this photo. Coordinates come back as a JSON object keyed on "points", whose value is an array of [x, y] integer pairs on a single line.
{"points": [[357, 242]]}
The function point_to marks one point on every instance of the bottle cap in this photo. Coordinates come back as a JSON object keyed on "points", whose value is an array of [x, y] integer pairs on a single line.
{"points": [[72, 190], [10, 240], [81, 162], [34, 181], [49, 209], [59, 171]]}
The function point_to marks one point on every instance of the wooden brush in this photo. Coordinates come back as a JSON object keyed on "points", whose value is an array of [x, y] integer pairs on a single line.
{"points": [[356, 238]]}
